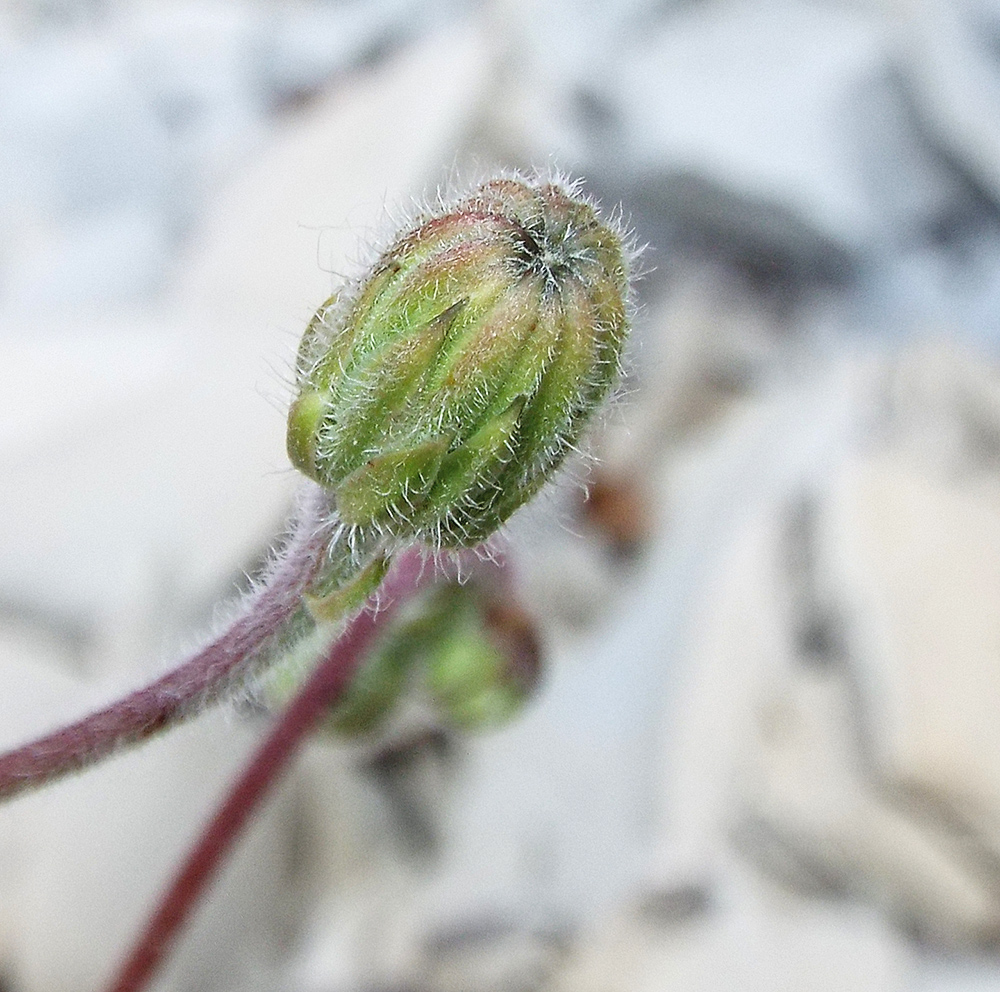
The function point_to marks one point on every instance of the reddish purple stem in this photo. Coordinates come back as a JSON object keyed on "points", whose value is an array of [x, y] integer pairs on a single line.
{"points": [[261, 774], [202, 679]]}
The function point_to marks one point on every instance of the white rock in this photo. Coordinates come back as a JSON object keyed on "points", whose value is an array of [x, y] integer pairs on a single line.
{"points": [[751, 98]]}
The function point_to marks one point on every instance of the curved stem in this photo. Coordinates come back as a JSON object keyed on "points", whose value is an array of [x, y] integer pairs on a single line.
{"points": [[201, 680], [325, 684]]}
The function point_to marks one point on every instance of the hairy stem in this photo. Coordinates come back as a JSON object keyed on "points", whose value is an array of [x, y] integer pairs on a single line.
{"points": [[323, 687], [200, 681]]}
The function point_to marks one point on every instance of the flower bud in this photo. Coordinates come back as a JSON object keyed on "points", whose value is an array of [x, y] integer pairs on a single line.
{"points": [[440, 394], [486, 665], [474, 654]]}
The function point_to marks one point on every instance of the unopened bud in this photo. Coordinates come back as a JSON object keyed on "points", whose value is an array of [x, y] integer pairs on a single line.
{"points": [[483, 670], [440, 395], [476, 655]]}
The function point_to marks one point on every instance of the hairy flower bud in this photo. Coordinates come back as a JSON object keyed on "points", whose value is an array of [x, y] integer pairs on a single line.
{"points": [[440, 395]]}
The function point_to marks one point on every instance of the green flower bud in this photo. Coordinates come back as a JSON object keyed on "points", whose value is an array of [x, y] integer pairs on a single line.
{"points": [[443, 391], [476, 656], [485, 665], [388, 667]]}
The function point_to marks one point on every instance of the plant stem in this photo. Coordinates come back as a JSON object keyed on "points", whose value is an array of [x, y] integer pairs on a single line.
{"points": [[325, 684], [200, 681]]}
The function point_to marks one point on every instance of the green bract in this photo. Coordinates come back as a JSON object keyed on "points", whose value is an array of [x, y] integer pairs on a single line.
{"points": [[440, 395]]}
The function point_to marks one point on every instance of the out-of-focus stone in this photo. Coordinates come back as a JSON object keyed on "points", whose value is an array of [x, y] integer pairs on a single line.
{"points": [[283, 234], [949, 51], [872, 771], [827, 772], [83, 861], [720, 126], [910, 541]]}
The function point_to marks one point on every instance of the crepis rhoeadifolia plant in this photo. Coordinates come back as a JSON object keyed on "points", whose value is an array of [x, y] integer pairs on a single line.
{"points": [[434, 396], [443, 392]]}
